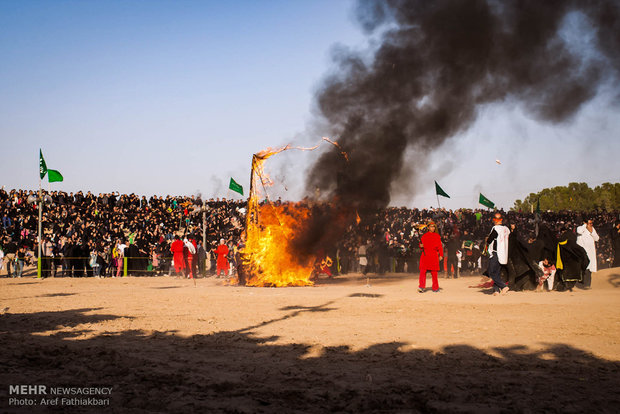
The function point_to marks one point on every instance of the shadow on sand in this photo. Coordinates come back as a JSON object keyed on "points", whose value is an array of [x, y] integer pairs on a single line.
{"points": [[55, 295], [236, 372], [614, 279], [372, 278]]}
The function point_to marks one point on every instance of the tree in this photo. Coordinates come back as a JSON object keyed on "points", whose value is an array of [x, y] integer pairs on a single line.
{"points": [[574, 197]]}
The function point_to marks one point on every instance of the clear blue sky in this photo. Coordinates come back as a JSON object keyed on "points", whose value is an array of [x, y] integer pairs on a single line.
{"points": [[173, 97]]}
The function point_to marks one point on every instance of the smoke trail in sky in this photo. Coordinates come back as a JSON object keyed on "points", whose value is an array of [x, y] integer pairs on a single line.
{"points": [[437, 63]]}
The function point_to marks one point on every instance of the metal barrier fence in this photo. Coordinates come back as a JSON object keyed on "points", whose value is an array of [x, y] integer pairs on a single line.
{"points": [[83, 265], [61, 261]]}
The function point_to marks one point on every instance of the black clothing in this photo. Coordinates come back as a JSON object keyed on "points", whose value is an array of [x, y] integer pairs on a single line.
{"points": [[545, 246], [615, 245], [572, 261], [523, 271]]}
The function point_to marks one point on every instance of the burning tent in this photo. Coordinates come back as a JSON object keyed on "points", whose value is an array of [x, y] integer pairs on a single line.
{"points": [[284, 243], [268, 258]]}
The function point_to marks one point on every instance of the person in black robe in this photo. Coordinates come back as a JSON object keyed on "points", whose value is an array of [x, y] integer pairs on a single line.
{"points": [[134, 260], [142, 263], [545, 245], [77, 258], [523, 272], [571, 261], [615, 243]]}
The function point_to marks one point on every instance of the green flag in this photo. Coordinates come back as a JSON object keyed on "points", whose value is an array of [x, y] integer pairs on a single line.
{"points": [[439, 191], [53, 176], [42, 165], [486, 202], [235, 186]]}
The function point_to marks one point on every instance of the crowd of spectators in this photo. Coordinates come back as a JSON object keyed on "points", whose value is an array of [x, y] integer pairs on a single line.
{"points": [[392, 239], [80, 230], [83, 233]]}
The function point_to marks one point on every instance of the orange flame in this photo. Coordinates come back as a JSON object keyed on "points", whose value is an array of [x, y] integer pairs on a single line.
{"points": [[334, 143], [268, 257]]}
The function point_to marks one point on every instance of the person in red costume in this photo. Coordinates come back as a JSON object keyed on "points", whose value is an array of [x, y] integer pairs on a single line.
{"points": [[432, 252], [189, 250], [177, 254], [222, 261]]}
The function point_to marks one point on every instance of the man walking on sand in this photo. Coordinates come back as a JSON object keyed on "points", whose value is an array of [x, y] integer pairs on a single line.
{"points": [[497, 243], [432, 251]]}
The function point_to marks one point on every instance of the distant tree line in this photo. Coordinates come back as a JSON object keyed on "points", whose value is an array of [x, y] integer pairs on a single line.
{"points": [[574, 197]]}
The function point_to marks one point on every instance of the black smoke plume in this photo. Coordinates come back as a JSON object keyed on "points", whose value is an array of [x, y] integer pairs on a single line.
{"points": [[437, 62]]}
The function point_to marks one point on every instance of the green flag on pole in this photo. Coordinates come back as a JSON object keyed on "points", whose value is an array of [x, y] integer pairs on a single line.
{"points": [[42, 165], [439, 191], [235, 186], [53, 176], [486, 202]]}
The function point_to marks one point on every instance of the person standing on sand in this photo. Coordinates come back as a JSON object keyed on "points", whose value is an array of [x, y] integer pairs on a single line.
{"points": [[189, 250], [586, 238], [10, 250], [222, 261], [454, 242], [615, 243], [363, 260], [177, 255], [571, 261], [19, 261], [47, 253], [119, 254], [497, 243], [432, 252], [201, 257]]}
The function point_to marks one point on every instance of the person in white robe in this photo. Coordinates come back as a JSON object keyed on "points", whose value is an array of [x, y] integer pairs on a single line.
{"points": [[587, 238]]}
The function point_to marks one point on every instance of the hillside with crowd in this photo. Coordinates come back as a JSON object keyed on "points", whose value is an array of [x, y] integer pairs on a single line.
{"points": [[82, 233]]}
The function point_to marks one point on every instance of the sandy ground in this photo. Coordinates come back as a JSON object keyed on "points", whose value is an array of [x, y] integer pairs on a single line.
{"points": [[166, 345]]}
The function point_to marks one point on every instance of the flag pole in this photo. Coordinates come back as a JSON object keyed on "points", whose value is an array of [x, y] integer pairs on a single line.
{"points": [[204, 225], [438, 203], [40, 239]]}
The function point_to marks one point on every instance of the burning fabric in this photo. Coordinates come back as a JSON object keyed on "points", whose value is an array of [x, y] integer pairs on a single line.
{"points": [[284, 243]]}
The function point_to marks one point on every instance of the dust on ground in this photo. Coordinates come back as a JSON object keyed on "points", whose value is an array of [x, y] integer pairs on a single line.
{"points": [[168, 344]]}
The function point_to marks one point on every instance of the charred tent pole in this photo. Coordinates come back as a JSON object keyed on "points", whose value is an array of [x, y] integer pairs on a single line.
{"points": [[252, 225], [251, 222], [252, 216]]}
